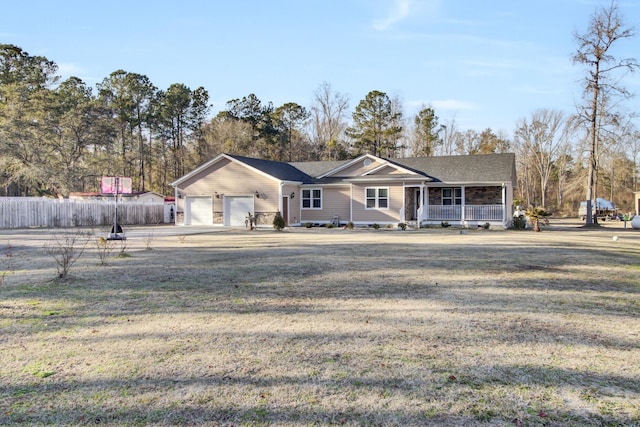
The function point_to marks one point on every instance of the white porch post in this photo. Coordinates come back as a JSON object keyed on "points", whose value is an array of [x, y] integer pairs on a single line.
{"points": [[403, 214], [504, 204], [425, 203], [462, 209]]}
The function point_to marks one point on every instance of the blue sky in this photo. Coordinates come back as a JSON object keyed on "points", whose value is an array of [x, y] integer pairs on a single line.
{"points": [[484, 63]]}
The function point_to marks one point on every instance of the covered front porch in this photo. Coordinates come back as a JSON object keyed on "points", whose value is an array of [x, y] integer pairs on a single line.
{"points": [[464, 205]]}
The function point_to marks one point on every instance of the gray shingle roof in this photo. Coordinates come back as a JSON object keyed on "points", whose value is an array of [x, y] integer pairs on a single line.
{"points": [[280, 170], [471, 168], [446, 169], [318, 168]]}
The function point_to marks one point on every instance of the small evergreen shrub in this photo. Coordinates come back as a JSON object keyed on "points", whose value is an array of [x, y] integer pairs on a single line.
{"points": [[445, 224], [402, 226], [519, 222], [350, 225], [376, 226], [308, 224], [329, 225], [278, 221]]}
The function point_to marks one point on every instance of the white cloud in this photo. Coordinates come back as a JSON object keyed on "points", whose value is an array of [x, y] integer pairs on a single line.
{"points": [[452, 104], [69, 69], [401, 10], [442, 104], [397, 13], [536, 90]]}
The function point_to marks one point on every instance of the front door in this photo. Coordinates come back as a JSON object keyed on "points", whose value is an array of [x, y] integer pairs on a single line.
{"points": [[285, 210]]}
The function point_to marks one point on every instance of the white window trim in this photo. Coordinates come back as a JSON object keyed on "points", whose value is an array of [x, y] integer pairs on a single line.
{"points": [[377, 207], [302, 198]]}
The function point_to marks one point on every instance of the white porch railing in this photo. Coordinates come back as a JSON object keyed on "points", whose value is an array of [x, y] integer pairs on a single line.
{"points": [[444, 212], [483, 212], [471, 213]]}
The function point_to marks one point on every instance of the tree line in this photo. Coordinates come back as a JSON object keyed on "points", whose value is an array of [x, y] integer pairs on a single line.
{"points": [[58, 137]]}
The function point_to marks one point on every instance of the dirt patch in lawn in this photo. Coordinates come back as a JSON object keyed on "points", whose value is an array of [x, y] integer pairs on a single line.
{"points": [[325, 327]]}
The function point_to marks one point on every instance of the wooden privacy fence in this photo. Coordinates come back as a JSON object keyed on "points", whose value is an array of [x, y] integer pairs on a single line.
{"points": [[21, 212]]}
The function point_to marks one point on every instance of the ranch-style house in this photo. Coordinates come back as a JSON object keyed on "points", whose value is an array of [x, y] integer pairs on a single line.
{"points": [[466, 191]]}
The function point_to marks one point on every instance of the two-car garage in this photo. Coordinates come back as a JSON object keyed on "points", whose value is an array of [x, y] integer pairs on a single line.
{"points": [[198, 210]]}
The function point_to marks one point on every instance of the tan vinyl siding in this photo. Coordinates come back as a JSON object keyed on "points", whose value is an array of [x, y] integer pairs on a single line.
{"points": [[392, 214], [232, 179], [358, 169], [335, 202]]}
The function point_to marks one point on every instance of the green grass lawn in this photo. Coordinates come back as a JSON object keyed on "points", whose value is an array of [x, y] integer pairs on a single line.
{"points": [[325, 327]]}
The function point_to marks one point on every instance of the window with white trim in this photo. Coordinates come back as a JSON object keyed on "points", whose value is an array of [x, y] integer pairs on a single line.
{"points": [[452, 196], [377, 198], [312, 198]]}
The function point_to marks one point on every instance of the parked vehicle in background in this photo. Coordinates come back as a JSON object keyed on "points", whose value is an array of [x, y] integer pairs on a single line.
{"points": [[602, 209]]}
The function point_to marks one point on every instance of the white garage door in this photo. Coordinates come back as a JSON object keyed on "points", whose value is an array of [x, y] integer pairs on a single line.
{"points": [[198, 211], [236, 209]]}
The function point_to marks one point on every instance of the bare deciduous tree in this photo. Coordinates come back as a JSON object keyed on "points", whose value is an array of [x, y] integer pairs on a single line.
{"points": [[605, 29], [449, 135], [328, 122], [541, 140]]}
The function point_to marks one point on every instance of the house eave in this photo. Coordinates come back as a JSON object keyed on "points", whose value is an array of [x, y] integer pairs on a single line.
{"points": [[387, 178], [470, 183], [333, 184]]}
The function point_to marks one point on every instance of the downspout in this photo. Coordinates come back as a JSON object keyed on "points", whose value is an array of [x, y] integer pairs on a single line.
{"points": [[351, 203]]}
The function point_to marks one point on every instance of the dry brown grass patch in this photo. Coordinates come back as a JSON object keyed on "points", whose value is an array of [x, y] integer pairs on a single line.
{"points": [[327, 327]]}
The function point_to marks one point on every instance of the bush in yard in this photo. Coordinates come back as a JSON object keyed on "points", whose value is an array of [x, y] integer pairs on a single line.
{"points": [[376, 226], [66, 249], [278, 221], [349, 225], [519, 222], [104, 248], [308, 224]]}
